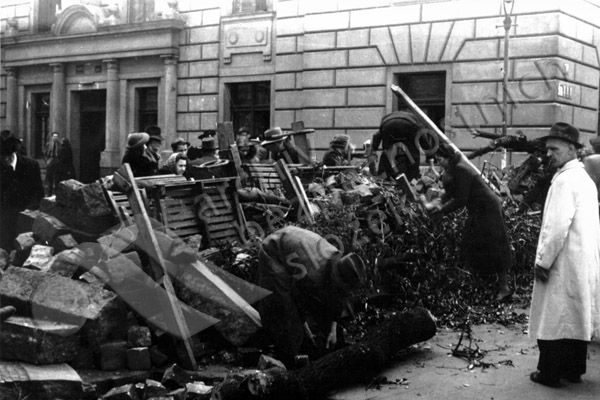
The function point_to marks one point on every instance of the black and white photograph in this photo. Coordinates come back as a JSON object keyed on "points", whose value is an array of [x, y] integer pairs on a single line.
{"points": [[299, 199]]}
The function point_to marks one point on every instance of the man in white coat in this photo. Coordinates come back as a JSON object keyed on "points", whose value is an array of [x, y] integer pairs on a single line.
{"points": [[565, 305]]}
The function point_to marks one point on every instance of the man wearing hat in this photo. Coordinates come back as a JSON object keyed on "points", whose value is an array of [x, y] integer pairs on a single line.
{"points": [[280, 147], [339, 152], [155, 140], [565, 304], [20, 187], [207, 153], [141, 163], [310, 282]]}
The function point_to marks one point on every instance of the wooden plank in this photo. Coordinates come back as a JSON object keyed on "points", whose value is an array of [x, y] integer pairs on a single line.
{"points": [[185, 232], [225, 134], [213, 227], [228, 292], [157, 261]]}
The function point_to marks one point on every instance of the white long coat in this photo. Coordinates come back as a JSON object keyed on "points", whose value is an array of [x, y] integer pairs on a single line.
{"points": [[567, 306]]}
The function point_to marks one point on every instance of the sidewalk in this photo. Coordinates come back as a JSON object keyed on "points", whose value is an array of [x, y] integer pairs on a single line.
{"points": [[429, 372]]}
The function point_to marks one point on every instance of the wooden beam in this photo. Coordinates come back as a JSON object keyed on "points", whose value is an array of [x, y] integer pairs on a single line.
{"points": [[124, 175]]}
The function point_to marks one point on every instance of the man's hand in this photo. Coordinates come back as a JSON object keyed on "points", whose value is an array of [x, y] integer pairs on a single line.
{"points": [[309, 334], [332, 337], [541, 274]]}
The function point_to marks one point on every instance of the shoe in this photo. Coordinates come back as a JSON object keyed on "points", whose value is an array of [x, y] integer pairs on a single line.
{"points": [[537, 378], [574, 378]]}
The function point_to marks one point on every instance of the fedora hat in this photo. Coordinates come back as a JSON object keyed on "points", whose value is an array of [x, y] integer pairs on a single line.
{"points": [[340, 141], [274, 135], [207, 133], [179, 141], [566, 132], [136, 139], [209, 143], [349, 271]]}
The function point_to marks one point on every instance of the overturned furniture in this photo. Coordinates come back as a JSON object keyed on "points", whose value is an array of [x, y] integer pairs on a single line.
{"points": [[206, 207]]}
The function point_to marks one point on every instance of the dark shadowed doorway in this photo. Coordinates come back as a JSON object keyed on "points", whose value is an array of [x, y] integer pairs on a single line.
{"points": [[92, 128]]}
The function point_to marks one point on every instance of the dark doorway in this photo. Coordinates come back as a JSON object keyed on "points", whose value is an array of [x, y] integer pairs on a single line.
{"points": [[428, 91], [92, 127]]}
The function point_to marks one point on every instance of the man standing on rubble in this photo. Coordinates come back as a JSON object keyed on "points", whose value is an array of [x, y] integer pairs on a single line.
{"points": [[310, 281], [565, 304]]}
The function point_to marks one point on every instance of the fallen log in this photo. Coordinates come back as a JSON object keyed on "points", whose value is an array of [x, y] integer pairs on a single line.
{"points": [[352, 364]]}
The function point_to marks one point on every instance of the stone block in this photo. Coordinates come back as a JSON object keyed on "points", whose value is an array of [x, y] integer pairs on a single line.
{"points": [[384, 16], [46, 227], [461, 30], [324, 97], [285, 81], [204, 34], [209, 85], [203, 103], [40, 382], [284, 117], [286, 44], [479, 49], [318, 118], [353, 38], [39, 257], [328, 21], [480, 71], [24, 241], [361, 77], [318, 78], [63, 242], [66, 263], [325, 59], [26, 219], [113, 355], [94, 203], [125, 392], [210, 51], [437, 40], [288, 62], [364, 57], [381, 38], [289, 99], [139, 336], [367, 96], [38, 341], [41, 295], [292, 26], [204, 68], [197, 391], [359, 117], [319, 41], [138, 359], [68, 193]]}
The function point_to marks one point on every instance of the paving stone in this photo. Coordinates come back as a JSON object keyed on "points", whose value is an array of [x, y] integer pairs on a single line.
{"points": [[138, 359], [113, 355], [139, 336], [63, 242], [25, 220], [39, 258], [34, 293], [24, 241], [46, 227], [38, 341], [197, 391], [125, 392], [66, 263]]}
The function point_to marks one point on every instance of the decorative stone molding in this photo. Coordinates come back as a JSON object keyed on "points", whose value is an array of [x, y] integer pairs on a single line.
{"points": [[247, 34], [82, 18]]}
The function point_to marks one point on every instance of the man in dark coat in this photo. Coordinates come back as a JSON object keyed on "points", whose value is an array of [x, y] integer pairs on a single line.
{"points": [[137, 157], [485, 244], [20, 188], [310, 281], [339, 152], [401, 155]]}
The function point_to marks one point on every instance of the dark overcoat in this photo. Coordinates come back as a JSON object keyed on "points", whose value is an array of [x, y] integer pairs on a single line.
{"points": [[485, 243]]}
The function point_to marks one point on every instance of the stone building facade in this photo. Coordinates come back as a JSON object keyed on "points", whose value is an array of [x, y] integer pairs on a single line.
{"points": [[97, 70]]}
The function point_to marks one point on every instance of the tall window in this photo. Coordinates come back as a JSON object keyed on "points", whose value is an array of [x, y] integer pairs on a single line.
{"points": [[428, 91], [46, 14], [251, 106], [41, 117], [147, 107], [249, 6]]}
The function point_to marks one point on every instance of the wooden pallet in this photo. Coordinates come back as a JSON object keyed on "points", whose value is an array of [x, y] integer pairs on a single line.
{"points": [[208, 207]]}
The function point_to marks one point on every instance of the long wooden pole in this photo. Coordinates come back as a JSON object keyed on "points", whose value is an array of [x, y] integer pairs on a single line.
{"points": [[442, 136], [157, 261]]}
